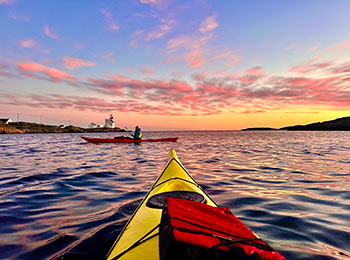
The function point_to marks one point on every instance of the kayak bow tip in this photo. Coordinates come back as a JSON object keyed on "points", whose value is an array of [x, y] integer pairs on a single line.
{"points": [[172, 154]]}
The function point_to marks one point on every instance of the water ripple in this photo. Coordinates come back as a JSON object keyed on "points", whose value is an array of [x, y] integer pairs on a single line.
{"points": [[62, 198]]}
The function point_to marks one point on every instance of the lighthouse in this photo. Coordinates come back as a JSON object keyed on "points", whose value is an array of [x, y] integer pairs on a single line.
{"points": [[109, 122]]}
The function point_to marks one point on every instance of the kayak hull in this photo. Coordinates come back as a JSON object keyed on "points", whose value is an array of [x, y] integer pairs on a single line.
{"points": [[126, 140], [139, 238], [141, 224]]}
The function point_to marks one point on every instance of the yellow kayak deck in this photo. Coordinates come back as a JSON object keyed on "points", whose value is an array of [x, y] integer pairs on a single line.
{"points": [[139, 239]]}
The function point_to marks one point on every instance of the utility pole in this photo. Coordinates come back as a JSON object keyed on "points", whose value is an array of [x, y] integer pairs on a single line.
{"points": [[17, 117]]}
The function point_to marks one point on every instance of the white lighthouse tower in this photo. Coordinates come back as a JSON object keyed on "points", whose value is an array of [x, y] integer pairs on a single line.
{"points": [[109, 122]]}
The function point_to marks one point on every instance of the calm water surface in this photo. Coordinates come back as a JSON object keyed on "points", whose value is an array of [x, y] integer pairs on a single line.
{"points": [[62, 198]]}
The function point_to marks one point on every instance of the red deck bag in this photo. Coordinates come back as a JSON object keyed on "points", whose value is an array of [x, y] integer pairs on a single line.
{"points": [[193, 230]]}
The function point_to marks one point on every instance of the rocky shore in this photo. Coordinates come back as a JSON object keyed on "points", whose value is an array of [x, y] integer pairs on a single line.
{"points": [[26, 128]]}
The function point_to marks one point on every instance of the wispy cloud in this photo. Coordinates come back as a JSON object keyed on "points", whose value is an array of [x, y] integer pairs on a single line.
{"points": [[79, 45], [20, 18], [310, 67], [155, 2], [6, 2], [195, 58], [229, 57], [209, 24], [28, 43], [161, 30], [159, 4], [74, 63], [109, 57], [112, 25], [5, 71], [49, 32], [292, 46], [147, 71], [192, 47]]}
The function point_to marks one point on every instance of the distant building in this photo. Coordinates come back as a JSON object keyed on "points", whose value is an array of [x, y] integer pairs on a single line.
{"points": [[92, 125], [109, 122], [6, 120]]}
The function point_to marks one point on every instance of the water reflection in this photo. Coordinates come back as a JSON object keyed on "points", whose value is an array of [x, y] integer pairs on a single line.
{"points": [[62, 197]]}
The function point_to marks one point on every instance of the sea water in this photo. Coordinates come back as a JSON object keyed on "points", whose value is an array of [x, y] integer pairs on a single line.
{"points": [[63, 198]]}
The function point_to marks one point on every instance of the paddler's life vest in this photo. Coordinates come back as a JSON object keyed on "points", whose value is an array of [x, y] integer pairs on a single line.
{"points": [[138, 134], [197, 231]]}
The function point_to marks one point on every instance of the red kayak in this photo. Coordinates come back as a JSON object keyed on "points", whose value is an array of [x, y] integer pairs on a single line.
{"points": [[123, 139]]}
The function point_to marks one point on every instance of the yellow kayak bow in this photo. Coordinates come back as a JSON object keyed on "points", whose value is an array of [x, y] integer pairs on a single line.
{"points": [[139, 239]]}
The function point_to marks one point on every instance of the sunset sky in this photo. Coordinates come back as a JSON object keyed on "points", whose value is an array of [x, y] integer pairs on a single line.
{"points": [[167, 64]]}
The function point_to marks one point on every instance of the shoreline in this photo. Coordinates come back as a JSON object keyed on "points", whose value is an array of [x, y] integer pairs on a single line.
{"points": [[340, 124], [34, 128]]}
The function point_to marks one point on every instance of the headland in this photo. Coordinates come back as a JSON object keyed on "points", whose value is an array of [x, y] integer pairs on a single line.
{"points": [[339, 124]]}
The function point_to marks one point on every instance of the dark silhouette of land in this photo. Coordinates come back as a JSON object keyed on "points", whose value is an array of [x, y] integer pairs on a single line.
{"points": [[340, 124], [25, 127]]}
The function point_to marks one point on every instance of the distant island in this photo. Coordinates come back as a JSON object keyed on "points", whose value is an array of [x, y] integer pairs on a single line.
{"points": [[340, 124], [26, 128]]}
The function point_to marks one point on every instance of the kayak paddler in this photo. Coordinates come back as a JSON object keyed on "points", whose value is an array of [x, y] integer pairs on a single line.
{"points": [[137, 133]]}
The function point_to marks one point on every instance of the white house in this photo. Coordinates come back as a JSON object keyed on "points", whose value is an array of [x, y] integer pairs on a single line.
{"points": [[109, 122], [6, 120], [92, 125]]}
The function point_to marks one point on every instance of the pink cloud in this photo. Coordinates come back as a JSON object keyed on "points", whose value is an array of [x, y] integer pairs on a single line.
{"points": [[28, 43], [157, 32], [310, 67], [228, 56], [58, 75], [113, 26], [208, 94], [194, 58], [108, 87], [340, 68], [49, 32], [3, 66], [38, 71], [177, 42], [343, 46], [31, 67], [252, 75], [256, 71], [161, 30], [208, 24], [5, 71], [314, 48], [170, 60], [73, 63]]}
